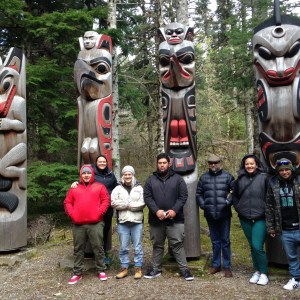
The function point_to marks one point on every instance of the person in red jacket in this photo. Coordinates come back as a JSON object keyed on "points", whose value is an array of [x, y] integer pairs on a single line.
{"points": [[86, 206]]}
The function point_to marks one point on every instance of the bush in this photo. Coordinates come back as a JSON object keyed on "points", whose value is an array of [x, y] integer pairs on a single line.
{"points": [[48, 185]]}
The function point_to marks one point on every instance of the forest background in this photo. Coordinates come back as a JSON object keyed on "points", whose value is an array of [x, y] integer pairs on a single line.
{"points": [[48, 32]]}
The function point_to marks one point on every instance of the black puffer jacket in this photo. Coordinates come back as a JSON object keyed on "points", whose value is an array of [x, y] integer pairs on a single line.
{"points": [[249, 192], [212, 192], [165, 193]]}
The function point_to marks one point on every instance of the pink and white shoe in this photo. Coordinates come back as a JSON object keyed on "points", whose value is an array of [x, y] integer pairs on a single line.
{"points": [[102, 276], [74, 279]]}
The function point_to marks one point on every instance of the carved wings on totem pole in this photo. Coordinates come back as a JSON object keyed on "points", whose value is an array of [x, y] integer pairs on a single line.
{"points": [[93, 76], [13, 151], [177, 74], [276, 48]]}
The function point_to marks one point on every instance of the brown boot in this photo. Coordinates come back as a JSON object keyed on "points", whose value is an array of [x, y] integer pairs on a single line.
{"points": [[214, 270], [123, 273], [228, 273], [138, 273]]}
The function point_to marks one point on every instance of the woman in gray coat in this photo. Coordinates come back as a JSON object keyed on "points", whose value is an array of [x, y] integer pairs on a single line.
{"points": [[249, 196]]}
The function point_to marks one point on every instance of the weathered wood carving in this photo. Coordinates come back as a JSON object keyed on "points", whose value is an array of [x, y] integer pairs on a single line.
{"points": [[177, 74], [13, 152], [276, 48], [93, 76]]}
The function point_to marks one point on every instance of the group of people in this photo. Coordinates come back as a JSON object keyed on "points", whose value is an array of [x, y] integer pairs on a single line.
{"points": [[264, 206], [88, 202]]}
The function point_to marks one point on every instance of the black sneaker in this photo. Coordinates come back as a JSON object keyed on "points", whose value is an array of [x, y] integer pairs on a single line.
{"points": [[187, 275], [152, 274]]}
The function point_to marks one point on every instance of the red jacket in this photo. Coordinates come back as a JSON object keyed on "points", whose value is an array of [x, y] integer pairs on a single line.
{"points": [[87, 204]]}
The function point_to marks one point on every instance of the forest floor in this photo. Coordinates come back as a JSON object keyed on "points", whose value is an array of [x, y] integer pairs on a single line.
{"points": [[41, 276]]}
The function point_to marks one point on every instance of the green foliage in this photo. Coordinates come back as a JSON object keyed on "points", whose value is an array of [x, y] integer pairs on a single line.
{"points": [[48, 185], [52, 110], [48, 33]]}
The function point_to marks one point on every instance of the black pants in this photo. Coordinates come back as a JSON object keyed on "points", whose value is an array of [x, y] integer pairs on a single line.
{"points": [[107, 218]]}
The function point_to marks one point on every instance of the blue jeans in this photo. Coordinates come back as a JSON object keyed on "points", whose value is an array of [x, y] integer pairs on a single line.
{"points": [[255, 232], [291, 241], [131, 232], [219, 231]]}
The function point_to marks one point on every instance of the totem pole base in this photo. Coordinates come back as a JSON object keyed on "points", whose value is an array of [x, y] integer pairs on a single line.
{"points": [[13, 232], [275, 251], [192, 222]]}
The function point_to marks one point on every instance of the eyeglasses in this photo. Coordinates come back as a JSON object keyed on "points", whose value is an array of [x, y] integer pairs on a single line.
{"points": [[282, 163], [213, 162]]}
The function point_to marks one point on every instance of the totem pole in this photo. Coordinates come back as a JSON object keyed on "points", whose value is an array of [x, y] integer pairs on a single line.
{"points": [[13, 152], [93, 76], [276, 48], [177, 75]]}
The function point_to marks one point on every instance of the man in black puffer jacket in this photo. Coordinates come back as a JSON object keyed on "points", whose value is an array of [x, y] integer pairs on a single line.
{"points": [[212, 193]]}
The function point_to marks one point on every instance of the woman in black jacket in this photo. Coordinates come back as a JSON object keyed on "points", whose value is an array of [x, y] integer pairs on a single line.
{"points": [[249, 195], [105, 176]]}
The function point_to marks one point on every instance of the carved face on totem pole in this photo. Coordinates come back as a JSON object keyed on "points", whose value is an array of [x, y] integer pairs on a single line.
{"points": [[13, 151], [90, 39], [93, 76], [276, 48], [177, 74]]}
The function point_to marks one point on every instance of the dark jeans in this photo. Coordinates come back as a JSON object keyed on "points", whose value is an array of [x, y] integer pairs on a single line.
{"points": [[219, 231], [107, 218], [81, 233]]}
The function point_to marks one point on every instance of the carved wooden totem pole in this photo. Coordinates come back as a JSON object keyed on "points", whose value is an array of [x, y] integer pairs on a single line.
{"points": [[276, 48], [93, 76], [13, 152], [177, 70]]}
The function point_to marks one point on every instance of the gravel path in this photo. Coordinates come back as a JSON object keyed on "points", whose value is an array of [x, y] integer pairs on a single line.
{"points": [[40, 277]]}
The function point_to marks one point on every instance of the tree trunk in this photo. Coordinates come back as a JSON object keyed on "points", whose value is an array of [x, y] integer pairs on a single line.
{"points": [[182, 15], [249, 122], [112, 23], [160, 131]]}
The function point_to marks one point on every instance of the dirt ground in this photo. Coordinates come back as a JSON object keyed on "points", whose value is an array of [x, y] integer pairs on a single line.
{"points": [[41, 277]]}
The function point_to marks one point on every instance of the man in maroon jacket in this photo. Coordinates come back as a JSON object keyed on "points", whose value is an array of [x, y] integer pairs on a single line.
{"points": [[86, 206]]}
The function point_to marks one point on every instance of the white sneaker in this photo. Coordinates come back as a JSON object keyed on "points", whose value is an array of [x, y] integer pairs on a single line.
{"points": [[263, 279], [255, 277], [291, 285]]}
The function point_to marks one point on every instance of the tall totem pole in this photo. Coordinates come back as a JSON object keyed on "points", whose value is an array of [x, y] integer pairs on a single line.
{"points": [[13, 152], [177, 75], [276, 48], [93, 76]]}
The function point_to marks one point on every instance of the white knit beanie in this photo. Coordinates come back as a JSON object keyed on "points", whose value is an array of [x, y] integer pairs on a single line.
{"points": [[128, 169]]}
